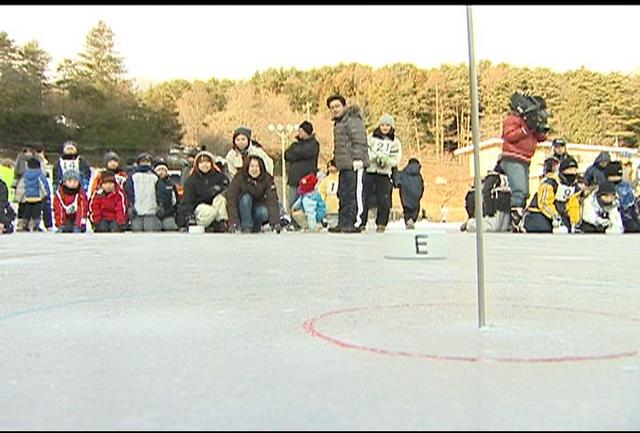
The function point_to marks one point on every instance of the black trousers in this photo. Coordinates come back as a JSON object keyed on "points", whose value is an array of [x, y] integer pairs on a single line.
{"points": [[32, 211], [535, 222], [410, 214], [105, 226], [377, 190], [350, 196]]}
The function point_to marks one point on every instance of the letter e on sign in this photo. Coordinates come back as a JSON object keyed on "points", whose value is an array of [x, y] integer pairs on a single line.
{"points": [[422, 244]]}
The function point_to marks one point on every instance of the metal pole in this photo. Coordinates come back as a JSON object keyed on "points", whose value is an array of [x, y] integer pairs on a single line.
{"points": [[284, 174], [473, 82]]}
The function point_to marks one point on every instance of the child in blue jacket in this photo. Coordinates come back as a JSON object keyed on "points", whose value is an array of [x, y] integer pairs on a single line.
{"points": [[309, 209]]}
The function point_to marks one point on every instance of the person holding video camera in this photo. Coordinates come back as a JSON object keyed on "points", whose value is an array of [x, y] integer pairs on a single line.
{"points": [[523, 129]]}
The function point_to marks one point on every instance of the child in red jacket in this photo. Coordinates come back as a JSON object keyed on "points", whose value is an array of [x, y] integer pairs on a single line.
{"points": [[108, 206], [70, 204]]}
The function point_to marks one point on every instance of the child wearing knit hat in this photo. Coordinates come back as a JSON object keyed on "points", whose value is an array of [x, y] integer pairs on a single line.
{"points": [[70, 204], [167, 196], [108, 206], [309, 209], [600, 213]]}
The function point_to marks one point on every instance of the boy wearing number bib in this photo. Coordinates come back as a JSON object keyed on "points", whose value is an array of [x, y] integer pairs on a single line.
{"points": [[555, 208]]}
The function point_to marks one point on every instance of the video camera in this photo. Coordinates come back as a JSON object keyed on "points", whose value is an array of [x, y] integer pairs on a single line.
{"points": [[533, 109]]}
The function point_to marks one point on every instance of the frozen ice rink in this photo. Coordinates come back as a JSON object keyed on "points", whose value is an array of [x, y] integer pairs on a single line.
{"points": [[317, 331]]}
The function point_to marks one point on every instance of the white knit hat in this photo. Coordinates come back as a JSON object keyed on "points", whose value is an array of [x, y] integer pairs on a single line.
{"points": [[387, 119]]}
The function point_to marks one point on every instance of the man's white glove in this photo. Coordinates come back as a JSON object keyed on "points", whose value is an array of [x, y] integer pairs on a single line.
{"points": [[603, 222], [358, 164]]}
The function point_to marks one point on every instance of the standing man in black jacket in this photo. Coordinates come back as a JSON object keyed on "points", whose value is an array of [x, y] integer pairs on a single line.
{"points": [[302, 157], [351, 155]]}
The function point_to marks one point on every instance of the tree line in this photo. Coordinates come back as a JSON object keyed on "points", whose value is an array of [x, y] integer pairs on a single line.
{"points": [[91, 100]]}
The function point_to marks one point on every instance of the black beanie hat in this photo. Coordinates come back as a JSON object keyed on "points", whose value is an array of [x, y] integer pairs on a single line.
{"points": [[33, 163], [144, 157], [606, 188], [559, 142], [568, 162], [613, 169], [242, 131], [110, 156], [307, 127]]}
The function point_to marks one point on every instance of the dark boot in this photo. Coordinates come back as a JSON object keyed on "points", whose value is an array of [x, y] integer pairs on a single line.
{"points": [[516, 220]]}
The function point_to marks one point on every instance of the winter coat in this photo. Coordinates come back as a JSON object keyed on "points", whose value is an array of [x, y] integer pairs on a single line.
{"points": [[20, 168], [33, 186], [7, 214], [76, 163], [302, 157], [167, 198], [96, 183], [595, 174], [236, 158], [201, 188], [328, 189], [626, 198], [70, 204], [557, 200], [411, 185], [595, 215], [141, 191], [496, 195], [628, 207], [313, 207], [109, 206], [350, 139], [385, 152], [519, 141], [262, 190]]}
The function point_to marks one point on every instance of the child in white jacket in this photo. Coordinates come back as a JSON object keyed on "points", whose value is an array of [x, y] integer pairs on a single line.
{"points": [[600, 211]]}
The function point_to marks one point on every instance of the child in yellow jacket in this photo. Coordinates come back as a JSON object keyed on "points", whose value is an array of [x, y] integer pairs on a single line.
{"points": [[328, 189], [555, 208]]}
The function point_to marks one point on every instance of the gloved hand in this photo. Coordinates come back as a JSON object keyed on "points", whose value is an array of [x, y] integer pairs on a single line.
{"points": [[531, 120], [216, 189], [382, 161], [131, 213], [358, 164], [558, 226], [603, 222], [276, 228]]}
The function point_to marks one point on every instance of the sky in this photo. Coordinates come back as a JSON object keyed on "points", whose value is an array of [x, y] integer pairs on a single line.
{"points": [[199, 42]]}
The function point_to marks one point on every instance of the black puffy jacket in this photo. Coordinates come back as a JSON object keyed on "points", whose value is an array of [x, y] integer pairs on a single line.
{"points": [[302, 157], [411, 185], [200, 188]]}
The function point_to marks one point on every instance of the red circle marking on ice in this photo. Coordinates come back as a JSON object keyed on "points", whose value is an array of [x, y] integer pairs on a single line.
{"points": [[310, 326]]}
